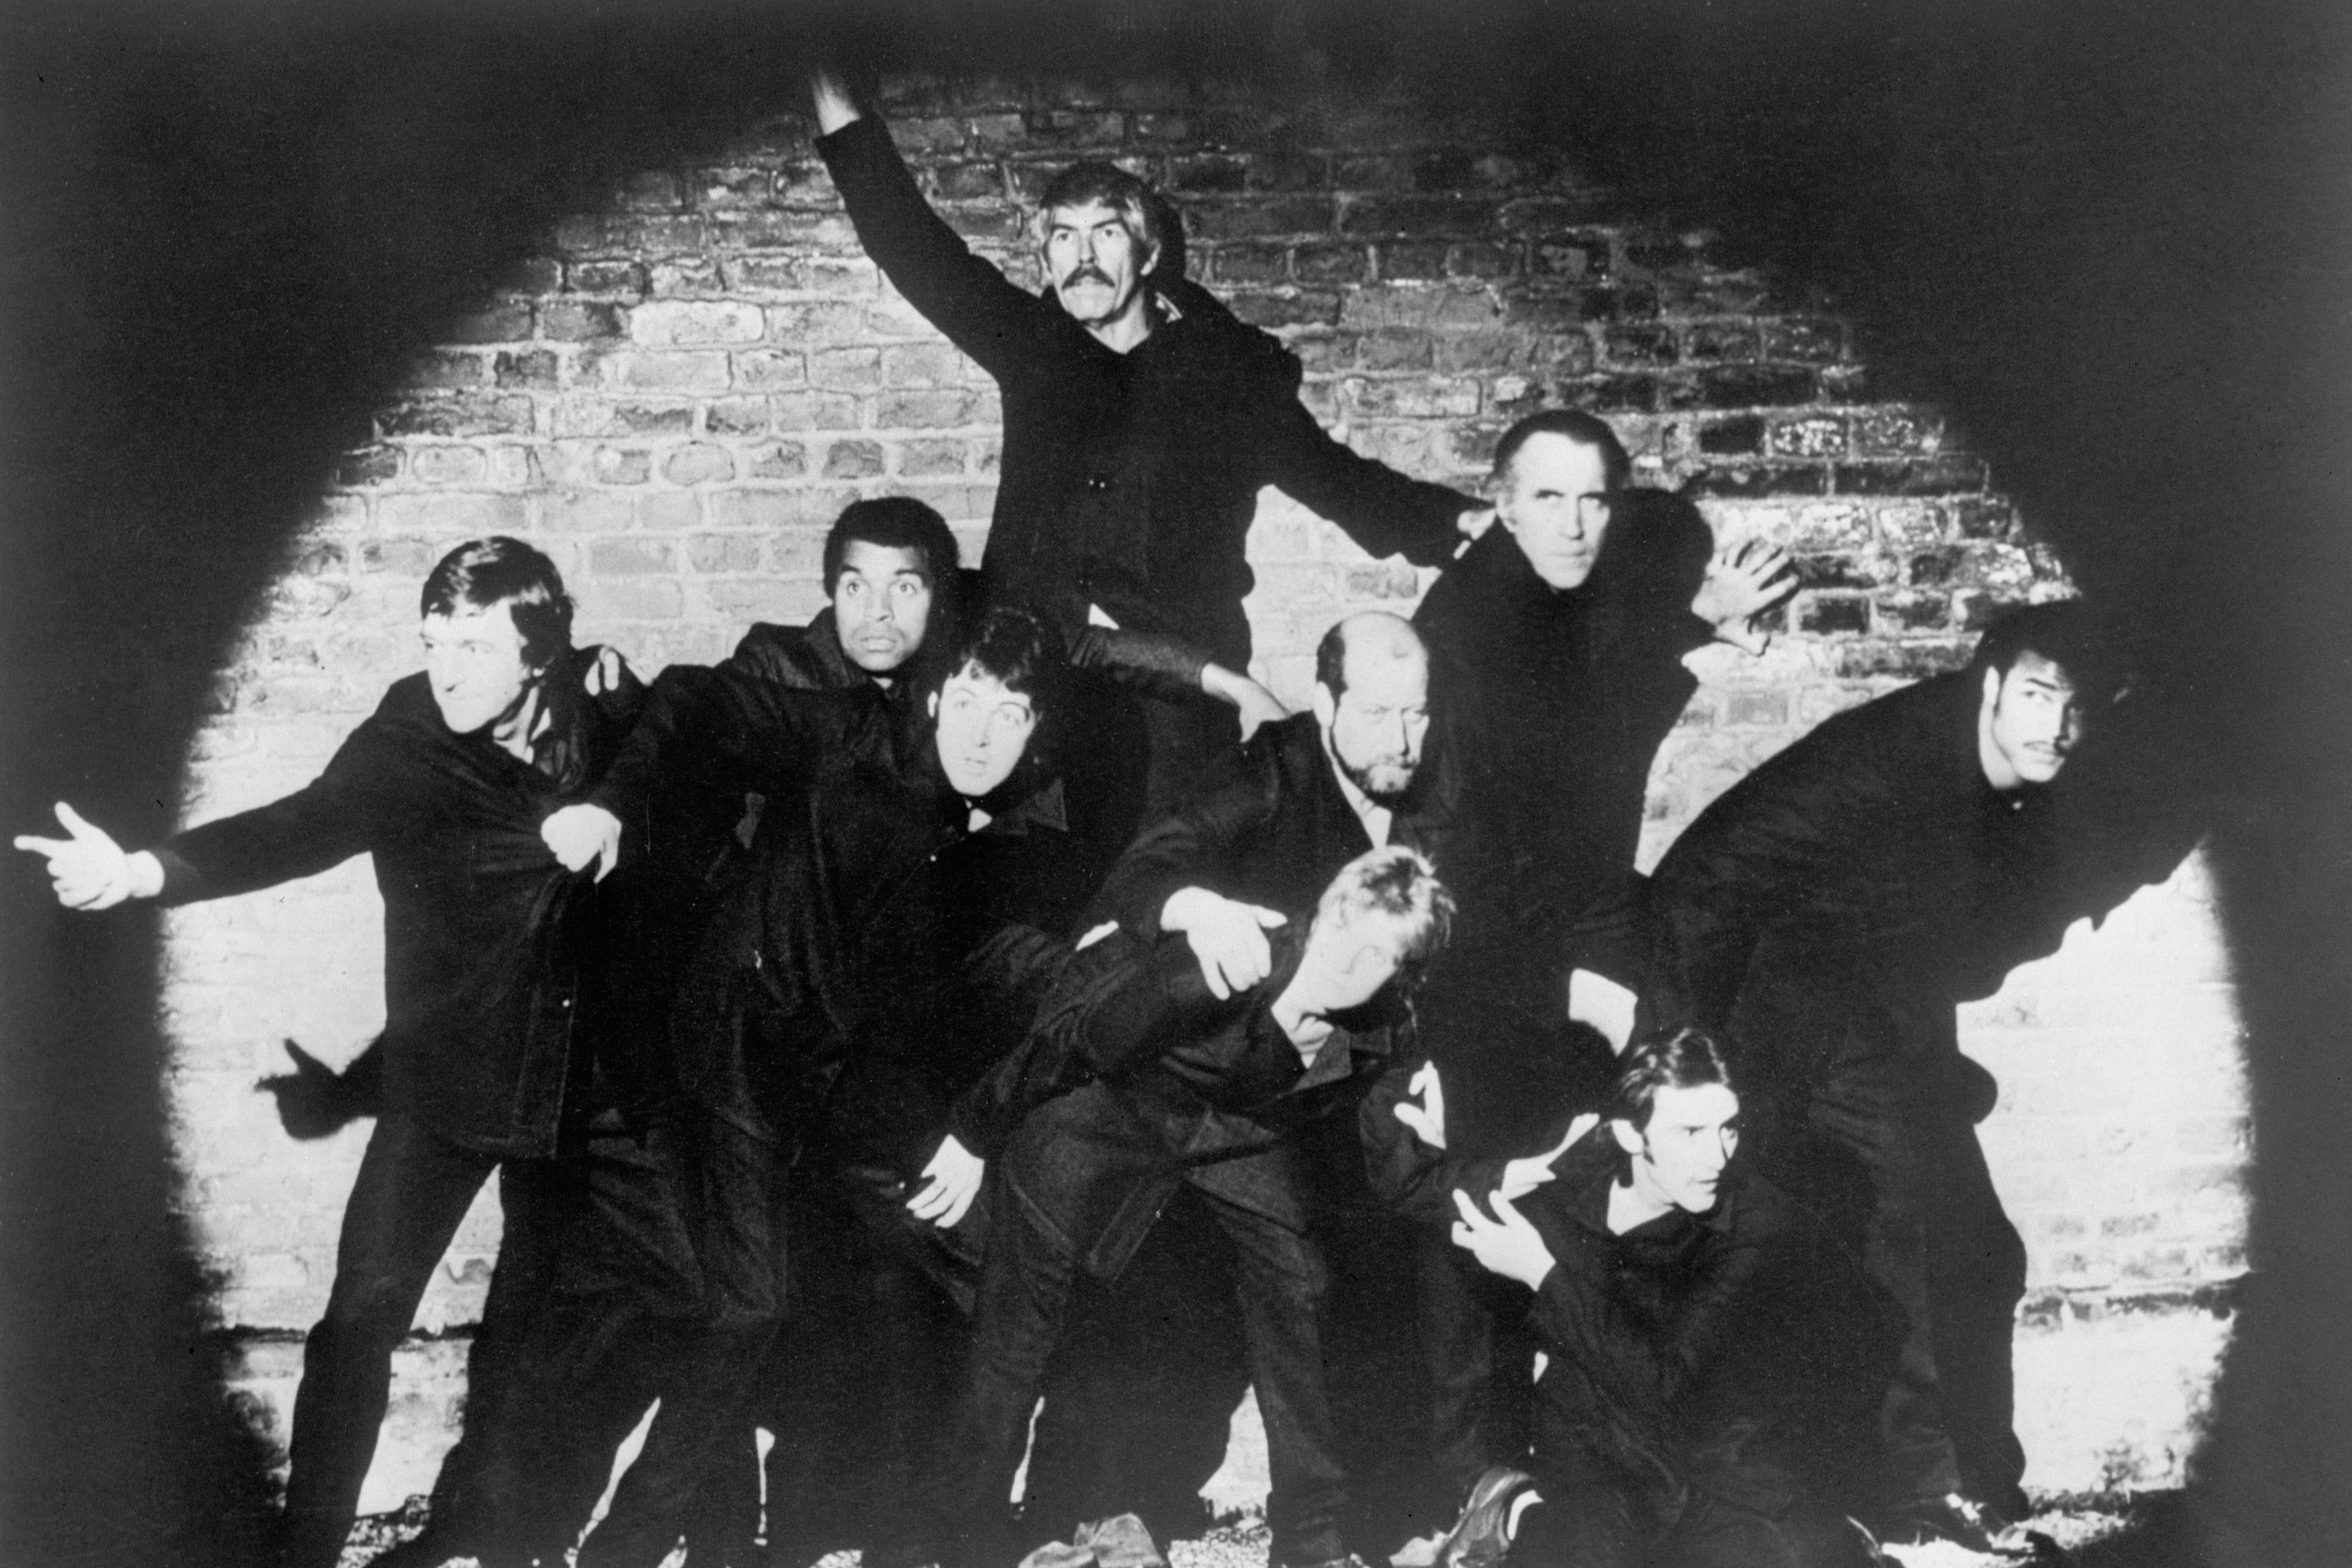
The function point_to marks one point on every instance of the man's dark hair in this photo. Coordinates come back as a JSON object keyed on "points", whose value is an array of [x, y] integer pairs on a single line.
{"points": [[1668, 1059], [1584, 429], [894, 522], [1096, 180], [1015, 647], [480, 573], [2066, 632]]}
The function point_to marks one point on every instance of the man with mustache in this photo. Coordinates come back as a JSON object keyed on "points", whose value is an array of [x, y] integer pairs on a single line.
{"points": [[1827, 912], [1141, 420]]}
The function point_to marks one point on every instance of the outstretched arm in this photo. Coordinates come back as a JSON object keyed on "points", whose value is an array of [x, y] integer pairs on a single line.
{"points": [[982, 312]]}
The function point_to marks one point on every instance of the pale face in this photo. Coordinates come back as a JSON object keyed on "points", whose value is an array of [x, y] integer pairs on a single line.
{"points": [[881, 606], [1351, 956], [1555, 501], [983, 727], [474, 660], [2033, 719], [1678, 1159], [1376, 727], [1096, 262]]}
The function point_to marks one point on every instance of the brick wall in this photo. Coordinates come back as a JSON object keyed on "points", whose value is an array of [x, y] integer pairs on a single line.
{"points": [[681, 390]]}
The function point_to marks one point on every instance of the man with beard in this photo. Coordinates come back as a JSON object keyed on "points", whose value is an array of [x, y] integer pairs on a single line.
{"points": [[488, 1065], [1140, 421], [1830, 909]]}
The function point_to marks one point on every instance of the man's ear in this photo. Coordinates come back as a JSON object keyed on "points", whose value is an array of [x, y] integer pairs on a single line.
{"points": [[1324, 705], [933, 700], [1991, 685], [1629, 1137]]}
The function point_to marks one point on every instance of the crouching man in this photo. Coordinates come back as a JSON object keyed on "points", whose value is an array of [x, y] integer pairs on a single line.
{"points": [[1712, 1360], [1192, 1088]]}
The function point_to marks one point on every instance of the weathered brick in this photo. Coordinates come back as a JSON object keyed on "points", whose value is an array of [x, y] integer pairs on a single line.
{"points": [[579, 321], [698, 463], [1248, 218], [675, 370], [1610, 394], [1482, 259], [795, 230], [779, 460], [536, 370], [632, 558], [686, 276], [631, 599], [762, 273], [1412, 306], [1245, 264], [601, 275], [1290, 307], [1719, 340], [735, 416], [459, 416], [670, 323], [815, 411], [1619, 302], [1418, 397], [1212, 174], [853, 460], [1813, 340], [1903, 661], [756, 369], [845, 370], [369, 465], [1394, 351], [650, 189], [442, 370], [1835, 571], [1417, 215], [584, 511], [924, 410], [1638, 347], [1761, 480], [503, 321], [1748, 706], [1983, 517], [1832, 614], [1897, 430], [1814, 435], [1950, 473], [1755, 386], [456, 514], [446, 464], [921, 365], [1915, 612], [669, 511], [731, 187], [1413, 261], [1328, 264], [723, 552], [930, 459], [1738, 434]]}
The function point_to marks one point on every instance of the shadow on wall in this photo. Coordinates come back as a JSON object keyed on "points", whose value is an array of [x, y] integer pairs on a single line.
{"points": [[231, 237]]}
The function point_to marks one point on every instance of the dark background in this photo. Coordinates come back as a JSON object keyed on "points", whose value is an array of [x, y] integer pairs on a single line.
{"points": [[2110, 238]]}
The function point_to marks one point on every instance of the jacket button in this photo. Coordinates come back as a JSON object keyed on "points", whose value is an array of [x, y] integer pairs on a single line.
{"points": [[1098, 483]]}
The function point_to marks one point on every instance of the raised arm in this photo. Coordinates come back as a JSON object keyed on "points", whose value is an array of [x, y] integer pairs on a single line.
{"points": [[982, 312]]}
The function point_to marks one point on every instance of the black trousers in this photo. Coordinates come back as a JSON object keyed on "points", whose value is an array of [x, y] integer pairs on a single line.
{"points": [[1478, 1351], [412, 1189], [1034, 1260], [1903, 1178]]}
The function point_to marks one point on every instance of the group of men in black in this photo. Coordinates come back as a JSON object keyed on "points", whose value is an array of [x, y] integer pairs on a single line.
{"points": [[947, 1000]]}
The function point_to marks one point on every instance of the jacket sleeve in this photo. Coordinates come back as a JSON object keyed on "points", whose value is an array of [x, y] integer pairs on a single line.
{"points": [[1754, 857], [1199, 845], [979, 310], [1415, 1181], [1156, 663], [334, 817], [1380, 509], [714, 728]]}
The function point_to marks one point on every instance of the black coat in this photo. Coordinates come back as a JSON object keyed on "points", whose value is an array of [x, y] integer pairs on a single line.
{"points": [[1557, 704], [1271, 828], [1833, 905], [484, 932], [1129, 480], [1741, 1351], [1140, 1079]]}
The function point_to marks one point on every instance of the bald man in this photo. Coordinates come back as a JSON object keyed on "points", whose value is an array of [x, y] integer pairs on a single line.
{"points": [[1257, 845]]}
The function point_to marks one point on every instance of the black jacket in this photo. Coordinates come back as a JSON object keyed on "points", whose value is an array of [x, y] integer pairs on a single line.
{"points": [[1741, 1351], [1129, 480], [484, 932], [1178, 1085], [1556, 703], [1272, 829], [1833, 904]]}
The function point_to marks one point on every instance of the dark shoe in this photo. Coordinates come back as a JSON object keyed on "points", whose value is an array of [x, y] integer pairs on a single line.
{"points": [[1481, 1537]]}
